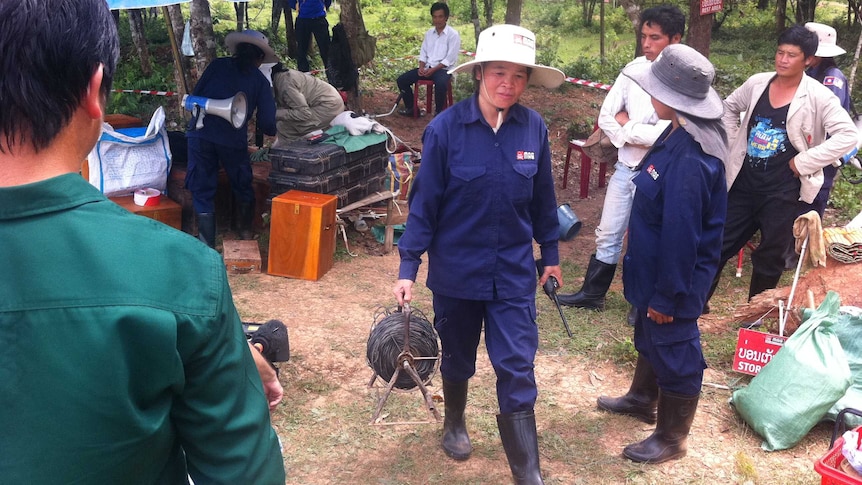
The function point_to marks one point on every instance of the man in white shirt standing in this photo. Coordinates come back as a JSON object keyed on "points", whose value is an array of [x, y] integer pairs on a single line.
{"points": [[628, 118], [438, 54]]}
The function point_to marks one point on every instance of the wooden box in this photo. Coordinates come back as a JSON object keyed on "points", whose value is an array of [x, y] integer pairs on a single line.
{"points": [[302, 235], [168, 211], [241, 257]]}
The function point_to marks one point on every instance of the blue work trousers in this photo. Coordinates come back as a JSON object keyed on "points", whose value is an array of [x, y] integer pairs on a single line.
{"points": [[304, 29], [511, 338], [441, 87], [205, 158], [674, 351]]}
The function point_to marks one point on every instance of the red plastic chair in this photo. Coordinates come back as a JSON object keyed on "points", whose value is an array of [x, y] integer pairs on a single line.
{"points": [[586, 167], [429, 94]]}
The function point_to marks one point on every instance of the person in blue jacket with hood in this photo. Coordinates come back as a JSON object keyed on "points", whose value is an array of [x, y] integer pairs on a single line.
{"points": [[675, 234]]}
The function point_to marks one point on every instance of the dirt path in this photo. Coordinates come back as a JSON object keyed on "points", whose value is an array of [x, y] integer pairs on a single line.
{"points": [[324, 420]]}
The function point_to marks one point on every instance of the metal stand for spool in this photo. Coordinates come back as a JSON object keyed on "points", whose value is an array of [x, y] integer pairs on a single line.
{"points": [[406, 362]]}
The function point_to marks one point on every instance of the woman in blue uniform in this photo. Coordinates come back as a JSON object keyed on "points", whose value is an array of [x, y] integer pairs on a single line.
{"points": [[218, 142], [485, 192], [675, 234]]}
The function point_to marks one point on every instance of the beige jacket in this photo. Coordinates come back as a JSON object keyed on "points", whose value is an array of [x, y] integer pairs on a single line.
{"points": [[813, 112], [303, 103]]}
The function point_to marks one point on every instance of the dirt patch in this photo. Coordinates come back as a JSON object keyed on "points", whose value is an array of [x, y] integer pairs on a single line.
{"points": [[324, 421]]}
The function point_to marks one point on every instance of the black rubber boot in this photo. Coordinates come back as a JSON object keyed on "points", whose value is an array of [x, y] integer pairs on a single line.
{"points": [[518, 434], [642, 398], [760, 283], [456, 441], [632, 316], [669, 440], [246, 216], [595, 287], [207, 228]]}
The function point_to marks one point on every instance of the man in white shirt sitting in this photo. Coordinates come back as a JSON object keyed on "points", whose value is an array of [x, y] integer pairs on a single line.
{"points": [[438, 54]]}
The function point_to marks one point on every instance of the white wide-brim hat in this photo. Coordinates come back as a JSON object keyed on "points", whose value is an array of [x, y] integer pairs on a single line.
{"points": [[682, 79], [511, 43], [252, 37], [828, 38]]}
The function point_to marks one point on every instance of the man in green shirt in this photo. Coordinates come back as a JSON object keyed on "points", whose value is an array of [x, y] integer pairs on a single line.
{"points": [[123, 358]]}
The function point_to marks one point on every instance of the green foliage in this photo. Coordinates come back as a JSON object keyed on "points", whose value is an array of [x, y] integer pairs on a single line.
{"points": [[846, 197], [591, 67]]}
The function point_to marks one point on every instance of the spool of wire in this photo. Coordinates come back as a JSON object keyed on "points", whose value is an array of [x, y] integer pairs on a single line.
{"points": [[386, 344]]}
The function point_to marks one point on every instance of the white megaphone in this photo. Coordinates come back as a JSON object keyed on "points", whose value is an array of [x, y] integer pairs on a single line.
{"points": [[231, 109]]}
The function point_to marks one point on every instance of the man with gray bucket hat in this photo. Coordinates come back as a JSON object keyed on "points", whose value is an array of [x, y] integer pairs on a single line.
{"points": [[675, 233], [485, 194], [630, 121]]}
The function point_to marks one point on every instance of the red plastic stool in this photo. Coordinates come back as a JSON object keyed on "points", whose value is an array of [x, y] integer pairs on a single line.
{"points": [[429, 93], [586, 168]]}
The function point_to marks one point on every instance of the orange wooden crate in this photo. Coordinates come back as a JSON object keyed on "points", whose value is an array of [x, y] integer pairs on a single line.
{"points": [[168, 211], [241, 257], [302, 235]]}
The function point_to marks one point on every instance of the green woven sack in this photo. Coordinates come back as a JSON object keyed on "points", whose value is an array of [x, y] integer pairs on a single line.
{"points": [[797, 387]]}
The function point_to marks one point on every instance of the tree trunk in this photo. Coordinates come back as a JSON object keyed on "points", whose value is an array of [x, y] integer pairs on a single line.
{"points": [[178, 25], [489, 15], [351, 19], [780, 16], [241, 9], [633, 12], [699, 29], [474, 18], [203, 37], [762, 4], [278, 7], [139, 38], [805, 11], [513, 12], [589, 8]]}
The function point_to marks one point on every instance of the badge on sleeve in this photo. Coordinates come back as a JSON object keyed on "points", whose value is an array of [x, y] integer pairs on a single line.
{"points": [[652, 172], [833, 81], [522, 155]]}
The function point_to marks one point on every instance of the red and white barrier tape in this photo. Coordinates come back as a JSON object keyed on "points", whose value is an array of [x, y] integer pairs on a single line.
{"points": [[144, 91], [573, 80]]}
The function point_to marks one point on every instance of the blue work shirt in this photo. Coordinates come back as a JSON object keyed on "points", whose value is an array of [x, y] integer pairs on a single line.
{"points": [[832, 77], [222, 79], [676, 227], [310, 9], [478, 202]]}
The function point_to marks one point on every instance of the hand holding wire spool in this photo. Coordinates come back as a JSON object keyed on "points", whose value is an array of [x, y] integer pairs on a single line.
{"points": [[403, 341]]}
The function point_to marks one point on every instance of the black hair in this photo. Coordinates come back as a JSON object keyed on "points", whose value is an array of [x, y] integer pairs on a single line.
{"points": [[669, 18], [440, 6], [51, 49], [801, 37], [248, 56]]}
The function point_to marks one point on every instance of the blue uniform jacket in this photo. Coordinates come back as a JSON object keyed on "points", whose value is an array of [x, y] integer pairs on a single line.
{"points": [[676, 227], [478, 202], [310, 9], [222, 79]]}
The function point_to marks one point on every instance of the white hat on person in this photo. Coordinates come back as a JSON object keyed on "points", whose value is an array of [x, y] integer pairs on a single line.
{"points": [[512, 43], [682, 79], [254, 38], [828, 40]]}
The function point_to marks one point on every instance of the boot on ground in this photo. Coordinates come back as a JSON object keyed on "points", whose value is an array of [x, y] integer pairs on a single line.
{"points": [[246, 217], [641, 400], [521, 443], [456, 441], [207, 228], [595, 287], [669, 441]]}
